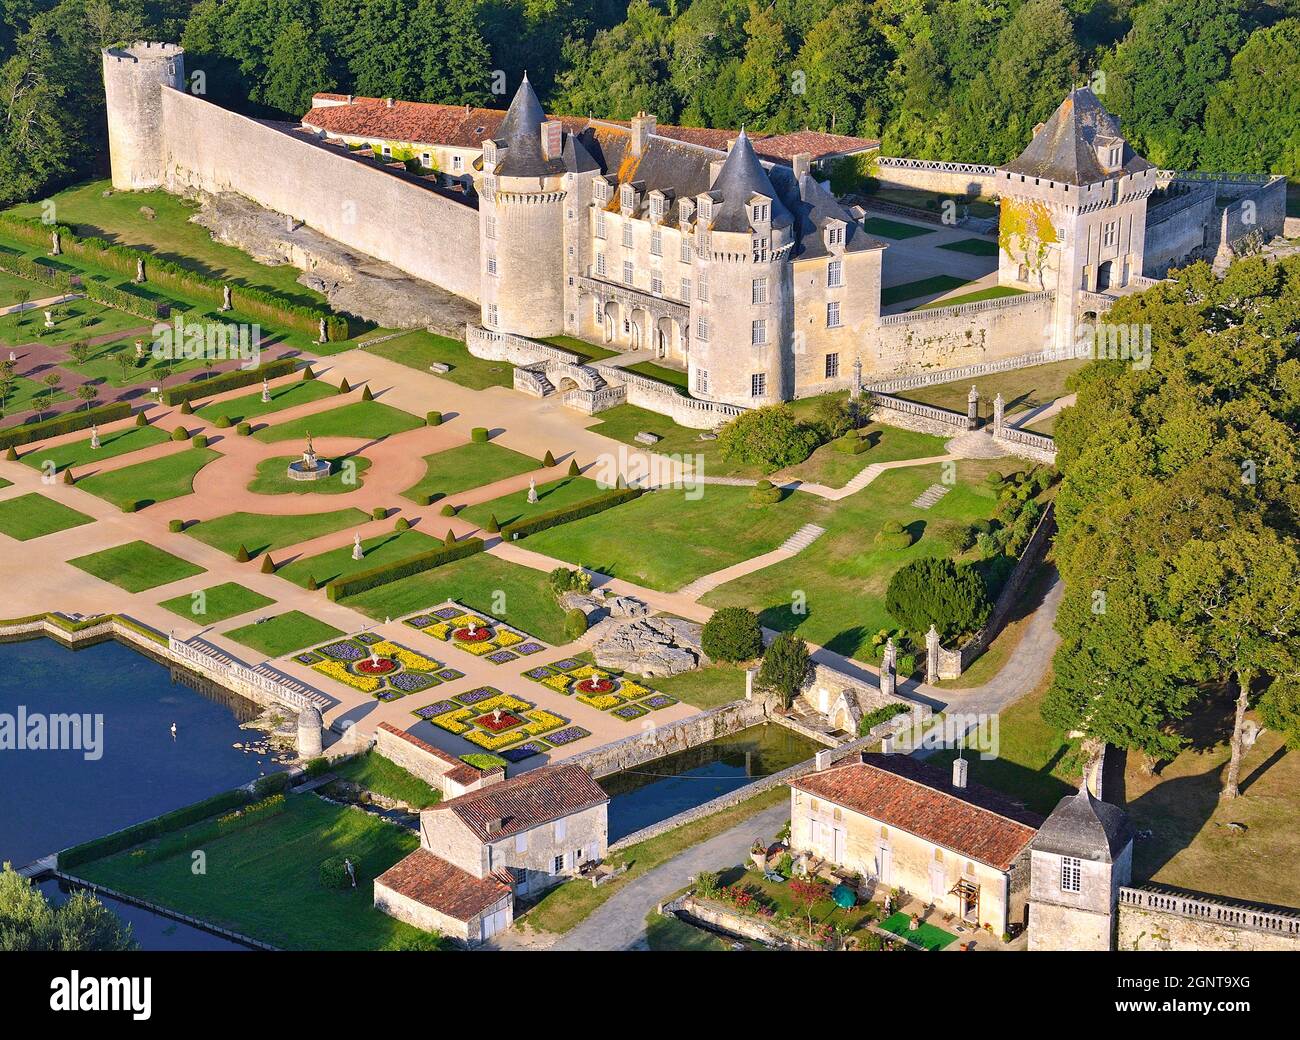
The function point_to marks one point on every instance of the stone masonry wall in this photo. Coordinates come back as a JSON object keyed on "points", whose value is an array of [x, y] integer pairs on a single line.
{"points": [[208, 149], [430, 764]]}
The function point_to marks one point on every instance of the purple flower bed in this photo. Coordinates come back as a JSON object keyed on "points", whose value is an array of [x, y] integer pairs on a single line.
{"points": [[447, 613], [412, 682], [308, 658], [567, 664], [538, 674], [388, 695], [436, 708], [480, 694], [523, 649], [657, 701], [369, 638], [630, 711], [560, 737], [420, 621], [344, 650], [502, 656], [527, 749], [449, 674]]}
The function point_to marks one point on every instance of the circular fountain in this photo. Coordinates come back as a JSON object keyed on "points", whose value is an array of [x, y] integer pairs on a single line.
{"points": [[309, 467]]}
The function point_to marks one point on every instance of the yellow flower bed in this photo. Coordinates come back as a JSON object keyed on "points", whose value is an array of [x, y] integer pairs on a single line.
{"points": [[454, 721], [505, 637], [406, 658], [601, 701], [338, 670], [541, 721], [440, 630], [504, 701], [557, 682], [479, 649], [633, 691], [465, 620], [493, 741], [586, 672]]}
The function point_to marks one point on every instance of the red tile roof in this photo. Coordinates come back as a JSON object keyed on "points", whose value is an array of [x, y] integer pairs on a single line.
{"points": [[901, 792], [424, 746], [432, 881], [541, 796]]}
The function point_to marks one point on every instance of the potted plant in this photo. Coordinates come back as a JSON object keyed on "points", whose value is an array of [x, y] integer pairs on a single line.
{"points": [[758, 853]]}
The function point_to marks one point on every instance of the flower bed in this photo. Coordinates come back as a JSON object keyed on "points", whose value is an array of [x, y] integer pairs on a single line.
{"points": [[600, 701], [504, 701], [436, 708], [454, 721], [527, 749], [540, 721], [658, 701], [559, 682], [630, 711], [372, 664], [308, 658], [406, 657], [339, 671], [475, 633], [568, 735], [538, 674], [482, 693], [498, 723], [491, 741], [449, 674], [412, 682], [344, 650]]}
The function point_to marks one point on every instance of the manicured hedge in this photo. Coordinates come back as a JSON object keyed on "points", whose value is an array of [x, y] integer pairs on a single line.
{"points": [[13, 263], [851, 444], [425, 561], [129, 837], [211, 829], [256, 303], [540, 522], [228, 381], [122, 300], [81, 419]]}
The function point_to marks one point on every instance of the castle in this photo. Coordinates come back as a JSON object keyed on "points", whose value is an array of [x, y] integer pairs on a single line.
{"points": [[745, 271]]}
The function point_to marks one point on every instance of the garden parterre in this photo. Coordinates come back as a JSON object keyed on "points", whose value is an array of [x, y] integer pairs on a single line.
{"points": [[475, 633], [500, 722], [378, 666]]}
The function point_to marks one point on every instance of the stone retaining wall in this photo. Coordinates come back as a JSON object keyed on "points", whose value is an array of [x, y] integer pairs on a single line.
{"points": [[434, 766], [948, 178], [1159, 918]]}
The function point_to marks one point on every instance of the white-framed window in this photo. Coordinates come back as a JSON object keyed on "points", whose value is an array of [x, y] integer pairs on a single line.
{"points": [[760, 244], [492, 266], [686, 250], [600, 264], [832, 366], [702, 380], [702, 288], [457, 163], [758, 291], [656, 285], [1071, 874], [685, 294], [835, 235], [627, 233], [426, 160], [758, 384], [600, 225], [602, 191], [521, 842], [385, 150], [490, 228], [833, 314], [758, 332], [627, 272], [1109, 233], [492, 314], [835, 274], [598, 310], [657, 242], [702, 329]]}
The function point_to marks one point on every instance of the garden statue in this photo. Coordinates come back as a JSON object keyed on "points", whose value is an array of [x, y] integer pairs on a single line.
{"points": [[322, 331], [139, 349], [225, 298], [972, 404], [56, 244], [532, 492], [13, 356], [496, 715], [266, 392], [94, 437], [356, 547], [49, 319], [856, 390], [139, 269], [352, 873], [374, 658]]}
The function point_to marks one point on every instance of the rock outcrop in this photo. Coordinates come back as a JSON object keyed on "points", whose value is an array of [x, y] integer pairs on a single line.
{"points": [[651, 646]]}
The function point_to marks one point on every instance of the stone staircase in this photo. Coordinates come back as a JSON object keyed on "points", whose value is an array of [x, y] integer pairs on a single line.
{"points": [[864, 477], [802, 538], [930, 496]]}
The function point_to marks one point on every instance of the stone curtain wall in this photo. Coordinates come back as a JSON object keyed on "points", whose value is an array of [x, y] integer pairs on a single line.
{"points": [[427, 762], [211, 150], [1157, 918], [947, 177]]}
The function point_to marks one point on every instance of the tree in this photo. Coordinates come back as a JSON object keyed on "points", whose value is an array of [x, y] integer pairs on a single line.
{"points": [[86, 392], [298, 68], [732, 634], [79, 352], [806, 894], [769, 437], [83, 923], [785, 668], [937, 591]]}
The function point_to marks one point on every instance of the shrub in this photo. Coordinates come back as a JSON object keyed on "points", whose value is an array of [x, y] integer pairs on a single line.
{"points": [[447, 510], [479, 435], [874, 718], [575, 624], [199, 440], [311, 584], [80, 419], [67, 476], [482, 760], [270, 784], [892, 535], [360, 581], [493, 526], [549, 459], [851, 444], [222, 422], [268, 564], [334, 875], [308, 374], [785, 667], [241, 554], [366, 394], [541, 521], [573, 468], [180, 434], [449, 538], [402, 524], [940, 592], [563, 580], [11, 455], [836, 417], [187, 408], [433, 419], [141, 419], [232, 380], [345, 387], [764, 493], [957, 534], [732, 634], [379, 513], [769, 437], [244, 429]]}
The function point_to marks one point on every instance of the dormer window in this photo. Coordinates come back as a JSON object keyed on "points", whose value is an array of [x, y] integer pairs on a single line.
{"points": [[706, 208], [835, 233], [760, 212], [627, 198], [686, 211], [602, 191], [1071, 874], [490, 152], [658, 206]]}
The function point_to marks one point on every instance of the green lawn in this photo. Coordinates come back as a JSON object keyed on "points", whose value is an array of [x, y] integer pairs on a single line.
{"points": [[338, 563], [993, 292], [260, 532], [468, 466], [5, 483], [665, 540], [159, 480], [834, 468], [842, 577], [263, 879], [251, 406], [589, 351], [111, 445], [1021, 388], [980, 206], [367, 420], [510, 592], [74, 321], [972, 246], [29, 395], [216, 603], [664, 934], [421, 349], [12, 286], [926, 935], [895, 229], [284, 634], [376, 773], [30, 516], [556, 494], [273, 478], [136, 566], [931, 286], [703, 687], [660, 374]]}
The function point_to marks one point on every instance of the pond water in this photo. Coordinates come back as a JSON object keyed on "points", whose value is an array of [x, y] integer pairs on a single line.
{"points": [[57, 798], [666, 786]]}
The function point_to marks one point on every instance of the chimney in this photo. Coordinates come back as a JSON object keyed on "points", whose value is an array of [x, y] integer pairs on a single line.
{"points": [[823, 759], [552, 138], [350, 99], [959, 768], [643, 125], [802, 164], [467, 108], [492, 826], [887, 744]]}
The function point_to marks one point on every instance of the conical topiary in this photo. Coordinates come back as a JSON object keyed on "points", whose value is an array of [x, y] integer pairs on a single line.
{"points": [[448, 510], [307, 374], [549, 460], [492, 526], [402, 524], [11, 455], [449, 538], [573, 468], [366, 395], [67, 476], [187, 408], [241, 554], [141, 419], [311, 584], [268, 564], [345, 387]]}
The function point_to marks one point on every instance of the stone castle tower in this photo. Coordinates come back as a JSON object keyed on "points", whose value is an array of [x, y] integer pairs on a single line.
{"points": [[521, 221], [1079, 860], [134, 78], [1073, 213]]}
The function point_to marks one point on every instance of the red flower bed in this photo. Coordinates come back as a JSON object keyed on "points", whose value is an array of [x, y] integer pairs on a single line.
{"points": [[480, 634], [596, 686], [383, 666], [497, 725]]}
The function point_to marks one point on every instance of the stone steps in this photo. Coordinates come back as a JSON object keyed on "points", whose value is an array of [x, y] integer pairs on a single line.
{"points": [[864, 477], [803, 538], [930, 496]]}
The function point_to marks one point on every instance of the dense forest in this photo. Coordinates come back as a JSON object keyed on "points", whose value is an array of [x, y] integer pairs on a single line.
{"points": [[1198, 83]]}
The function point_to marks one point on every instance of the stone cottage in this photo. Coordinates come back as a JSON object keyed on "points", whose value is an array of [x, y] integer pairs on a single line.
{"points": [[910, 826], [480, 850]]}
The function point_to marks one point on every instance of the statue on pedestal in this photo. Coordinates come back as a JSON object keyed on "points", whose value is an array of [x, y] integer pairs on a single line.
{"points": [[532, 492], [357, 554]]}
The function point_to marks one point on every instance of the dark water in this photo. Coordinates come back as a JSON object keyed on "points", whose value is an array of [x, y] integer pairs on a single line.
{"points": [[152, 931], [54, 799], [657, 790]]}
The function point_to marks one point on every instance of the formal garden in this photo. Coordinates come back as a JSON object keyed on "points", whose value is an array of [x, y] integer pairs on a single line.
{"points": [[375, 665], [34, 515]]}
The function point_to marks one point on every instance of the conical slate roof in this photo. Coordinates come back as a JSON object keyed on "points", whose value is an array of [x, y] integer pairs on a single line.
{"points": [[1064, 149], [741, 178], [1085, 827], [521, 130]]}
